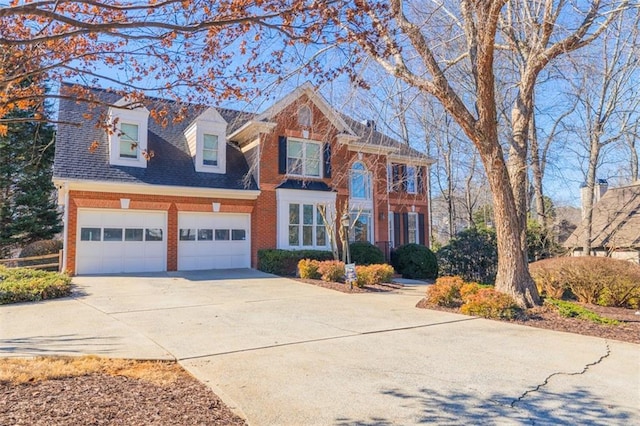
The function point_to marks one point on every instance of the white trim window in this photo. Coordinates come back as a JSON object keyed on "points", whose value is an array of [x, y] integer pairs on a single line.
{"points": [[359, 182], [391, 230], [361, 226], [306, 227], [129, 141], [210, 149], [304, 158], [413, 228], [412, 177], [305, 116]]}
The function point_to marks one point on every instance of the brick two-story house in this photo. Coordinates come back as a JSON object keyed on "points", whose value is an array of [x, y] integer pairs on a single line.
{"points": [[210, 190]]}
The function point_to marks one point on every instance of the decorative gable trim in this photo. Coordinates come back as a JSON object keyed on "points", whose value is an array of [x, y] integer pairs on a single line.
{"points": [[249, 131], [317, 99], [210, 122], [133, 114]]}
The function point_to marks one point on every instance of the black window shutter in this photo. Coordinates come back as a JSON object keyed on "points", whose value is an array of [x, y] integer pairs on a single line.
{"points": [[420, 174], [327, 160], [396, 229], [421, 228], [395, 176], [282, 155], [403, 174], [405, 228]]}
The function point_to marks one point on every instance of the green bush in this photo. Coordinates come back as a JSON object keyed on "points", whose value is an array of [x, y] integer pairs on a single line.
{"points": [[472, 255], [489, 303], [598, 280], [28, 285], [571, 310], [373, 274], [285, 262], [331, 271], [446, 292], [365, 253], [415, 261], [308, 269]]}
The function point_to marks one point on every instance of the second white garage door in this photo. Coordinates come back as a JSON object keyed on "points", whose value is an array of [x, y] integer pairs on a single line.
{"points": [[213, 241]]}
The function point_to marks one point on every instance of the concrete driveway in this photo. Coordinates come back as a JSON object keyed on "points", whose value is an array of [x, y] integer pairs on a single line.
{"points": [[281, 352]]}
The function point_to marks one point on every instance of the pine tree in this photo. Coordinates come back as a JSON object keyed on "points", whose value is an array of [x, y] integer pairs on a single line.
{"points": [[27, 207]]}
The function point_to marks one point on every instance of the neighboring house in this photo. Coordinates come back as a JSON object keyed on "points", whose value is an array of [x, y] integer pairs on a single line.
{"points": [[212, 189], [615, 229]]}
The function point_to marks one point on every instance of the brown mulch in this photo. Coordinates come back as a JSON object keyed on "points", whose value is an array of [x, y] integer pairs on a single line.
{"points": [[546, 317], [346, 288], [103, 399]]}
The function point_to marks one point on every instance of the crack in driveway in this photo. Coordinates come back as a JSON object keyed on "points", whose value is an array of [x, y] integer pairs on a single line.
{"points": [[549, 377]]}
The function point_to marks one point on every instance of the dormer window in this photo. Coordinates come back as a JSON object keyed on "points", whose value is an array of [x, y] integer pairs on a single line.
{"points": [[210, 150], [206, 138], [129, 140], [304, 116], [128, 135]]}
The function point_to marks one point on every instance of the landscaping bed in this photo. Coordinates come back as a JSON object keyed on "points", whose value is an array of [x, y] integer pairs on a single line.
{"points": [[345, 288], [94, 391], [29, 285]]}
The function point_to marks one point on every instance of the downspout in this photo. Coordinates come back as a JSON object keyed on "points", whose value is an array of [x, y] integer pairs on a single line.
{"points": [[65, 237]]}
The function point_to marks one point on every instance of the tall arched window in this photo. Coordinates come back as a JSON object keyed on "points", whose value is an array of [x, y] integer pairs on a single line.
{"points": [[360, 182], [304, 116]]}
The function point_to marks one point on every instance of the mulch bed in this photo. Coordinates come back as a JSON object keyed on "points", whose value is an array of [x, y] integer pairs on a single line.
{"points": [[102, 399], [346, 288], [548, 318]]}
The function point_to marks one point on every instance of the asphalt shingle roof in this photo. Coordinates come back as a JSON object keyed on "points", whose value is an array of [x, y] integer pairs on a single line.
{"points": [[171, 165]]}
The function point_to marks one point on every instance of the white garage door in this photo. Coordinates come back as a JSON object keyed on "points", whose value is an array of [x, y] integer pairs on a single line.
{"points": [[213, 241], [112, 241]]}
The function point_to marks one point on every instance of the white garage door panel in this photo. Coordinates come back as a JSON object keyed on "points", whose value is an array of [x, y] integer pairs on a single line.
{"points": [[214, 254], [100, 257]]}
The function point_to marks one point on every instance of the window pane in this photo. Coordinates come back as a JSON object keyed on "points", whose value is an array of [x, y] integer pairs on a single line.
{"points": [[210, 157], [413, 227], [294, 149], [361, 226], [313, 151], [90, 234], [294, 235], [129, 132], [222, 235], [112, 234], [153, 234], [211, 142], [133, 234], [411, 179], [238, 234], [187, 235], [307, 235], [313, 168], [294, 166], [307, 214], [205, 234], [128, 149], [319, 212], [304, 116], [357, 185], [321, 236], [294, 214]]}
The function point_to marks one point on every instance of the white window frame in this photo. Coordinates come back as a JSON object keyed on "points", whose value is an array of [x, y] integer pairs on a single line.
{"points": [[367, 179], [416, 231], [391, 230], [304, 143], [412, 179], [316, 222], [302, 112], [118, 116], [135, 141], [216, 150], [285, 197]]}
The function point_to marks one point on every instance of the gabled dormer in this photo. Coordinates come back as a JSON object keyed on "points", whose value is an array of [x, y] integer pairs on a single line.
{"points": [[206, 138], [128, 134]]}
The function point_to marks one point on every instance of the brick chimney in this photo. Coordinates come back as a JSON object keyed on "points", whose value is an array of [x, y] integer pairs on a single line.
{"points": [[599, 189]]}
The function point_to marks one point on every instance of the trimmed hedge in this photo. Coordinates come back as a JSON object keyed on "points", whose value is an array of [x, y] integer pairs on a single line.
{"points": [[28, 285], [365, 253], [597, 280], [373, 274], [415, 261], [285, 262]]}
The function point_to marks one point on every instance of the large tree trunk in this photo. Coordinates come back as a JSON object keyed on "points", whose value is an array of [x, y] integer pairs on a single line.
{"points": [[588, 196], [513, 276]]}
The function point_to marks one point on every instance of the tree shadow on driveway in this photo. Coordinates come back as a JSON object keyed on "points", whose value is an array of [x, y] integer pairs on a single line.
{"points": [[535, 408]]}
